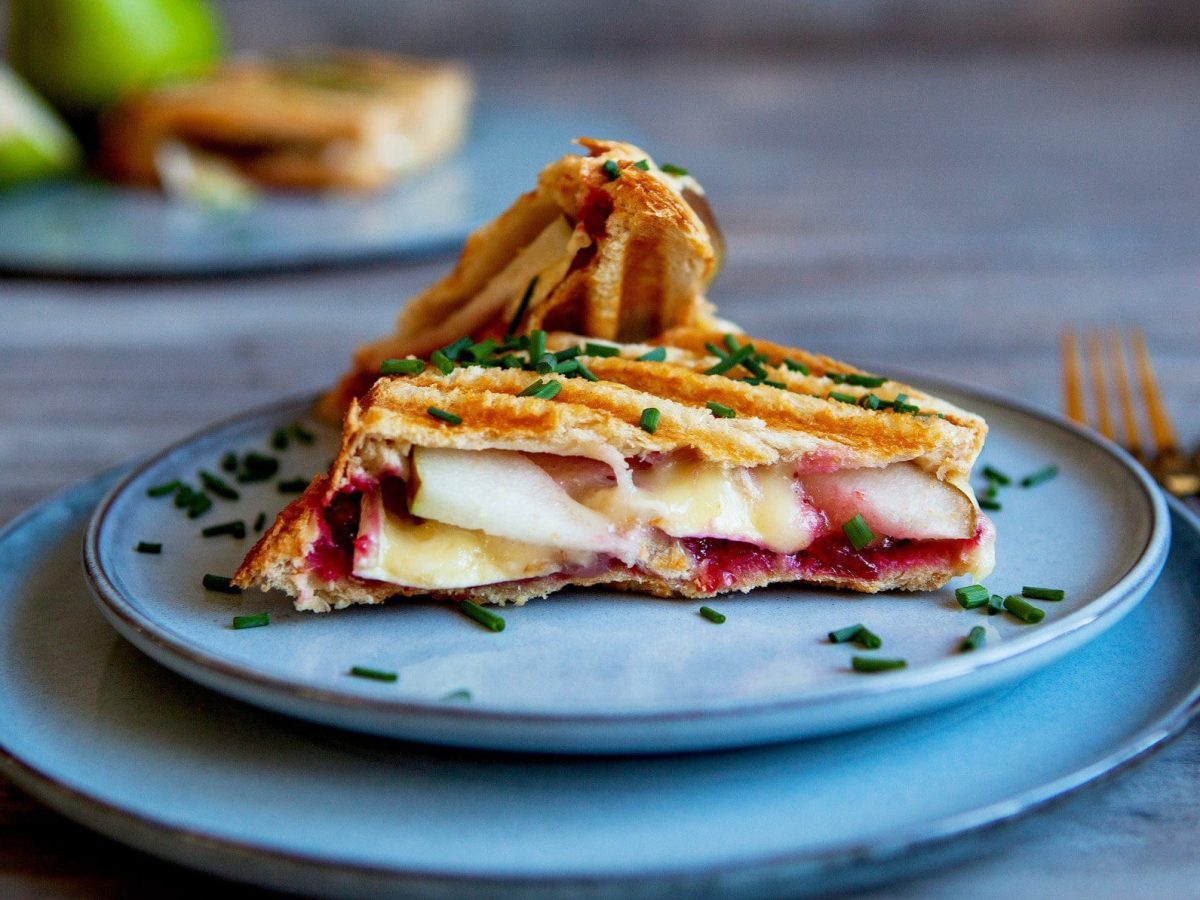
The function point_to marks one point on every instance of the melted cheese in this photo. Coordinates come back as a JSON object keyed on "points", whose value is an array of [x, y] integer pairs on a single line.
{"points": [[434, 556], [687, 498]]}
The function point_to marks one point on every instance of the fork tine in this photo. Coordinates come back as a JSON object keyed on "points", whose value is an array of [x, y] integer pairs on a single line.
{"points": [[1161, 430], [1099, 388], [1072, 379], [1120, 376]]}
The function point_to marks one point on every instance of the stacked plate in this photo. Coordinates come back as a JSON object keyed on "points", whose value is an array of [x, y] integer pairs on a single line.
{"points": [[602, 743]]}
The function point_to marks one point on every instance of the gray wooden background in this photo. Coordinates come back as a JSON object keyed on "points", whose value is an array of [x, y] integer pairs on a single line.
{"points": [[949, 211]]}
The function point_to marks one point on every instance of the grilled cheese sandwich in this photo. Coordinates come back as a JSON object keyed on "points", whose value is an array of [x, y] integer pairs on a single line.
{"points": [[500, 482]]}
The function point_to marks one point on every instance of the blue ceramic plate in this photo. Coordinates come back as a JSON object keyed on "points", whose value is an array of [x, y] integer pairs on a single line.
{"points": [[601, 672], [101, 733], [93, 228]]}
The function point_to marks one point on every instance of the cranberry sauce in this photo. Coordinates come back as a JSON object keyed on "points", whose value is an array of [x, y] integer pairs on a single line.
{"points": [[331, 556], [724, 563]]}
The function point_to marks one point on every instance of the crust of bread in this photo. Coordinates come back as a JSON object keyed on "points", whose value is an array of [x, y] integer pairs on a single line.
{"points": [[601, 420], [309, 124], [644, 259]]}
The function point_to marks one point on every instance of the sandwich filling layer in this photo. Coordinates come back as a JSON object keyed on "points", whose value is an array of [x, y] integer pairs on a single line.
{"points": [[453, 520]]}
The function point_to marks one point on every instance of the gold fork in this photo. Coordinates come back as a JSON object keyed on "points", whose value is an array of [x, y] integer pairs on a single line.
{"points": [[1162, 456]]}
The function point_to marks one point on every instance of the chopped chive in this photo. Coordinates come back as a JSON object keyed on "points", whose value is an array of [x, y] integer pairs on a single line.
{"points": [[796, 366], [990, 505], [185, 495], [643, 164], [533, 388], [521, 307], [720, 410], [1040, 593], [993, 474], [293, 485], [672, 169], [220, 584], [537, 345], [569, 353], [836, 377], [858, 532], [480, 351], [455, 348], [444, 364], [868, 381], [508, 361], [162, 490], [473, 610], [229, 461], [447, 417], [547, 364], [461, 695], [548, 390], [712, 615], [257, 467], [990, 492], [236, 528], [279, 439], [611, 170], [995, 605], [217, 486], [259, 521], [603, 350], [302, 434], [402, 367], [258, 620], [373, 674], [730, 342], [199, 506], [1039, 476], [875, 664], [842, 635], [147, 547], [715, 350], [974, 640], [905, 407], [649, 420], [736, 358], [843, 398], [583, 371], [972, 596], [868, 639], [658, 354], [1026, 612], [870, 401]]}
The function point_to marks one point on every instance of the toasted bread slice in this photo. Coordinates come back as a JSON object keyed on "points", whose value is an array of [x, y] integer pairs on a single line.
{"points": [[351, 120], [470, 484], [607, 245]]}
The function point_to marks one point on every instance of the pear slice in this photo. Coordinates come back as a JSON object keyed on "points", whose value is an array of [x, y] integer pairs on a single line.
{"points": [[34, 142], [901, 501], [503, 493]]}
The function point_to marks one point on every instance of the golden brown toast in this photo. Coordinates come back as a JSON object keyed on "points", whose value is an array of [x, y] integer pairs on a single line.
{"points": [[351, 120], [758, 456], [608, 245]]}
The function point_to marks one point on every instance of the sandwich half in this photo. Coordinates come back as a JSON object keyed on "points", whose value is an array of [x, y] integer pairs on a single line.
{"points": [[703, 465], [348, 120], [611, 245]]}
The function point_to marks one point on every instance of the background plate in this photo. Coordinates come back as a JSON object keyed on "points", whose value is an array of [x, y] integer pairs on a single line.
{"points": [[598, 672], [93, 228], [102, 734]]}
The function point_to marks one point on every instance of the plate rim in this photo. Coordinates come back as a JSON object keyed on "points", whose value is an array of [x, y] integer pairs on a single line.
{"points": [[222, 855], [1151, 557]]}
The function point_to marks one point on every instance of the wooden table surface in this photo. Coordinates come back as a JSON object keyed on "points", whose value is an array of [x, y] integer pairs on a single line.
{"points": [[949, 214]]}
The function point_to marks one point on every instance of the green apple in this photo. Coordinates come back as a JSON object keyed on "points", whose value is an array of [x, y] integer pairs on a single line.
{"points": [[34, 142], [82, 55]]}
